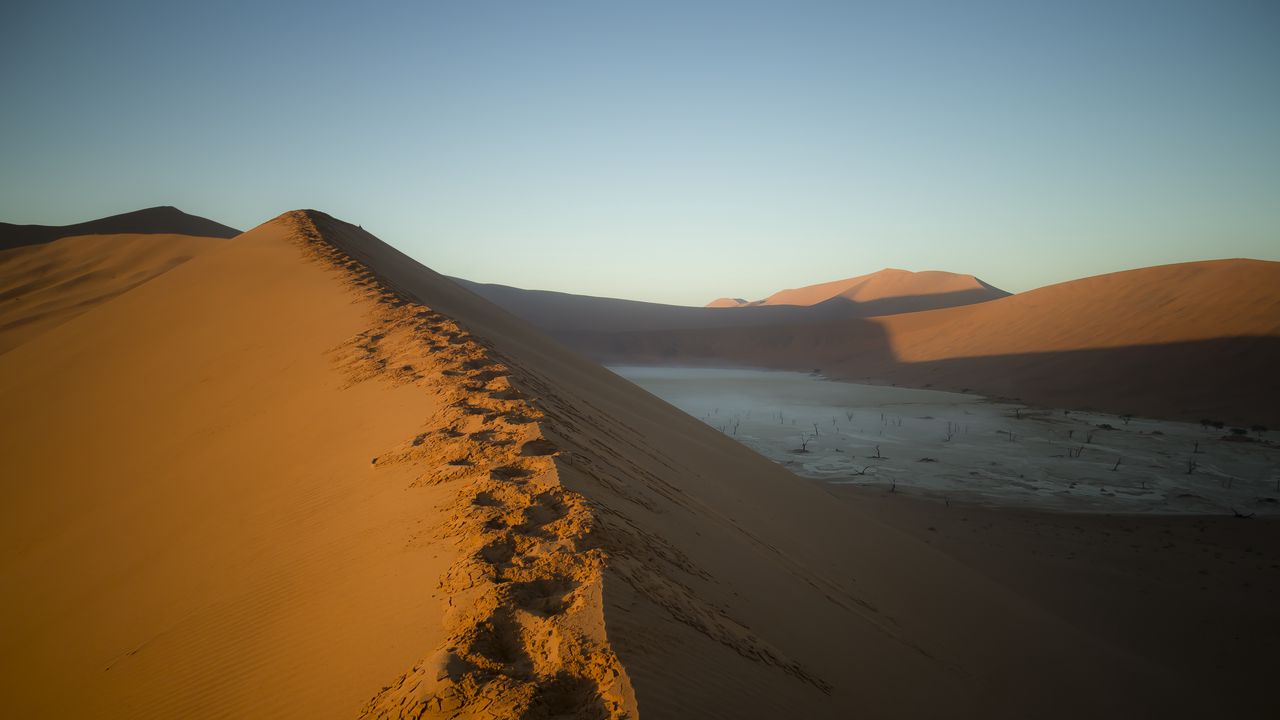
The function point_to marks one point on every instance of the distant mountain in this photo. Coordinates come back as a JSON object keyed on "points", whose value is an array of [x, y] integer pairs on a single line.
{"points": [[164, 219], [885, 292]]}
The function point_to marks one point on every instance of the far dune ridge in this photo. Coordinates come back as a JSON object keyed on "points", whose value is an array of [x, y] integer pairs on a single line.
{"points": [[923, 288], [727, 302], [165, 219], [301, 475], [887, 292]]}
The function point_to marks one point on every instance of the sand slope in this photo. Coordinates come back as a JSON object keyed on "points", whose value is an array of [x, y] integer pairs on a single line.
{"points": [[301, 475], [42, 286], [1180, 341], [164, 219]]}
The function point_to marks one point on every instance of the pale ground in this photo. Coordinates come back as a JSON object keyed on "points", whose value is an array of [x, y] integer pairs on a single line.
{"points": [[967, 448]]}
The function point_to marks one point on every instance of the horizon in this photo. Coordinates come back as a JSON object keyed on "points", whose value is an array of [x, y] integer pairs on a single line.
{"points": [[702, 152], [748, 299]]}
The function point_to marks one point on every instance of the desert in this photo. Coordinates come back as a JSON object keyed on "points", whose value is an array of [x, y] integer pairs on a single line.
{"points": [[595, 361]]}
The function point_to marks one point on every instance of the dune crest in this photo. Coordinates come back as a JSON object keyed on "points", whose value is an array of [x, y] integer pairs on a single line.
{"points": [[525, 627], [886, 284]]}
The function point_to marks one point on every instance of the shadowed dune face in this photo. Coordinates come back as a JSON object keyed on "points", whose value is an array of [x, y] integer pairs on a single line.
{"points": [[157, 220], [1180, 341], [43, 286], [556, 312], [302, 475]]}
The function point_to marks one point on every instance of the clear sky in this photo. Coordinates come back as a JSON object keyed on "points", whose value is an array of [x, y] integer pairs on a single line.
{"points": [[672, 152]]}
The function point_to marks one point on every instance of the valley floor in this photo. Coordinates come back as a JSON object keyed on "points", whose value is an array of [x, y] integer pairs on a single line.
{"points": [[963, 447]]}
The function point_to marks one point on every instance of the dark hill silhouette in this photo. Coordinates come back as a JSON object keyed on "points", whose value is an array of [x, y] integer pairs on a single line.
{"points": [[157, 220]]}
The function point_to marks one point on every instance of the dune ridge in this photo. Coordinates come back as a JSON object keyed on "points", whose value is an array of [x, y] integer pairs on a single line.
{"points": [[892, 284], [524, 631], [526, 620], [888, 291]]}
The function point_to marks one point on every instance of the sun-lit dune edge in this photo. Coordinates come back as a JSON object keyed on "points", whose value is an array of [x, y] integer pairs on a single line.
{"points": [[303, 475]]}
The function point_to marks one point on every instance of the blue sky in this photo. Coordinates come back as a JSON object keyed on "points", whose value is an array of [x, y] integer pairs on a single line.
{"points": [[672, 152]]}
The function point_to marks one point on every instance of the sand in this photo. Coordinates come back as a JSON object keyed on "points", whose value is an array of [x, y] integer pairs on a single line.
{"points": [[302, 475], [43, 286]]}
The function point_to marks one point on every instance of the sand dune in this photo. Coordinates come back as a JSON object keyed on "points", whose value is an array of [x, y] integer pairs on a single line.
{"points": [[44, 285], [913, 291], [165, 219], [1178, 341], [1151, 306], [727, 302], [302, 475]]}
